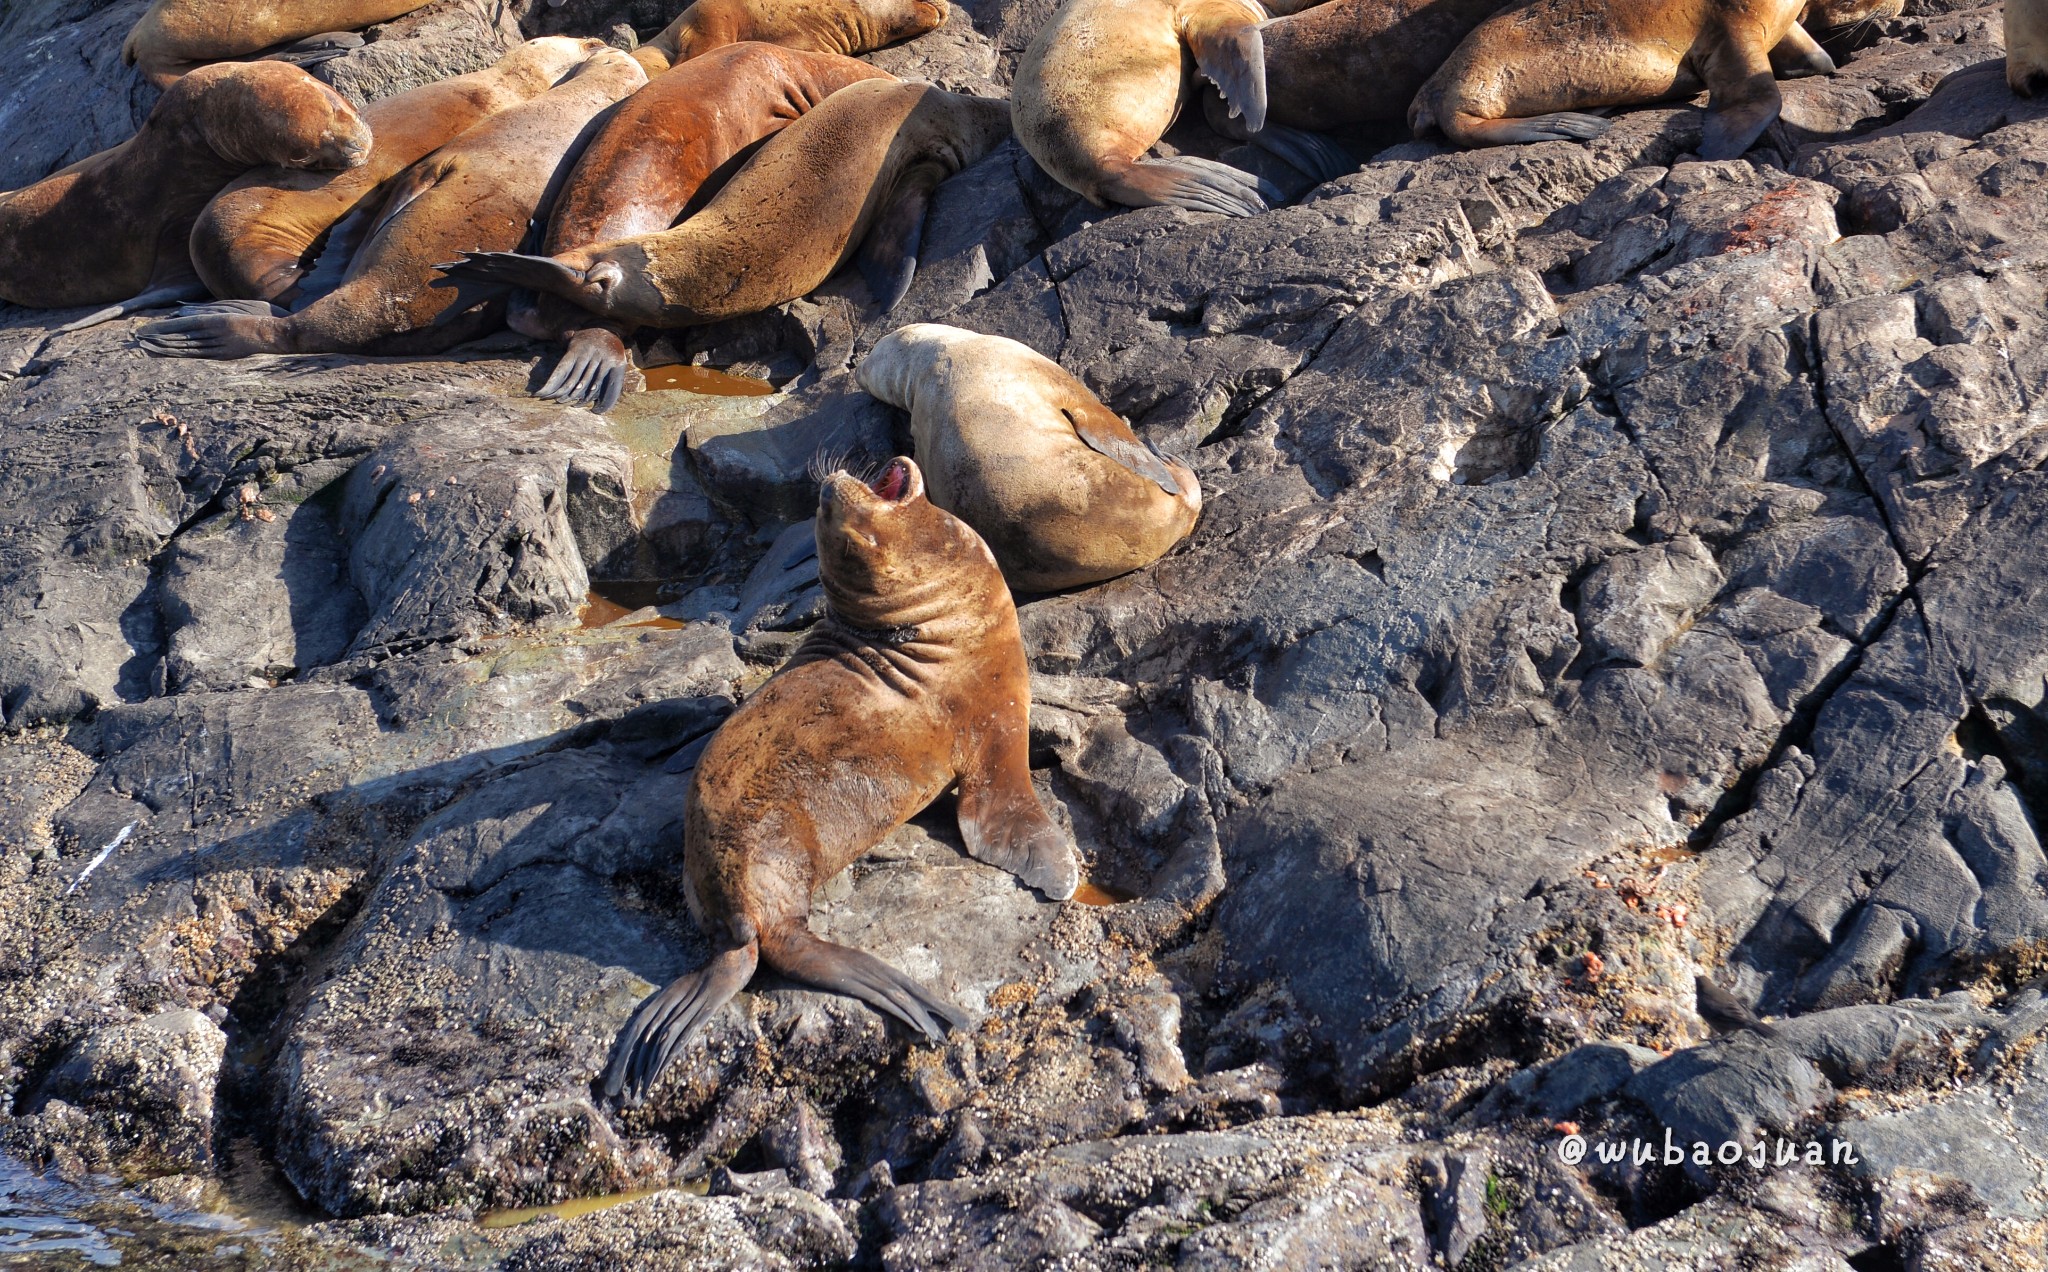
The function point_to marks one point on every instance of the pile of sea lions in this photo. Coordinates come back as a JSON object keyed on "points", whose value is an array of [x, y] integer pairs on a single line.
{"points": [[735, 162]]}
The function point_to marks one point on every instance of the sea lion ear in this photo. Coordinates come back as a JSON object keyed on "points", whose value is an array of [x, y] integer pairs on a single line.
{"points": [[1105, 433], [888, 255]]}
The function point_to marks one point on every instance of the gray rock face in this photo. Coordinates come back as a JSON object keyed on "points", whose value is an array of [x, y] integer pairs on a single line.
{"points": [[1615, 567]]}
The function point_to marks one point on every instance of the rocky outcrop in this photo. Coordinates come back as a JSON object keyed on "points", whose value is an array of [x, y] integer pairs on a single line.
{"points": [[1615, 567]]}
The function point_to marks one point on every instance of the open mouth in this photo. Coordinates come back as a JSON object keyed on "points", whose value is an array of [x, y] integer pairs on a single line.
{"points": [[895, 479]]}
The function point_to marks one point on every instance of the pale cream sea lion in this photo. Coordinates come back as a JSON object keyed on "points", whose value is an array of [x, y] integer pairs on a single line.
{"points": [[114, 226], [914, 682], [1017, 447]]}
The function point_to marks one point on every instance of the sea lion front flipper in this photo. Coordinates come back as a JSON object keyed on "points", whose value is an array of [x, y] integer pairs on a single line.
{"points": [[888, 255], [1106, 433], [1797, 55], [797, 954], [154, 298], [217, 334], [1005, 825], [1190, 182], [1231, 54], [1742, 100], [667, 1017]]}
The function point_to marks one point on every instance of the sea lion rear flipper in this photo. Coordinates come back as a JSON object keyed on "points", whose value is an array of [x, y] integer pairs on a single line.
{"points": [[1191, 182], [153, 298], [592, 371], [315, 49], [1231, 54], [1797, 55], [666, 1018], [1106, 433], [1312, 153], [330, 268], [215, 335], [797, 954], [888, 255], [1005, 825], [1565, 125], [1742, 100]]}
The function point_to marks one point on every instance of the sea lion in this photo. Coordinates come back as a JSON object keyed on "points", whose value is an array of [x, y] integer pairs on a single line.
{"points": [[1057, 483], [1103, 80], [480, 190], [648, 165], [177, 36], [1519, 75], [845, 27], [115, 224], [855, 173], [257, 239], [914, 681], [2026, 46]]}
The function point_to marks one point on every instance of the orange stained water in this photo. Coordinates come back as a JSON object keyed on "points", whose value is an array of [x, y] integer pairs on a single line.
{"points": [[1096, 894], [704, 380]]}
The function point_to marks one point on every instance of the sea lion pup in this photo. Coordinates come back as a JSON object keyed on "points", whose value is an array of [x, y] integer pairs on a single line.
{"points": [[481, 189], [177, 36], [647, 165], [257, 239], [915, 681], [845, 27], [1519, 75], [854, 174], [115, 224], [2026, 46], [1057, 483], [1103, 80]]}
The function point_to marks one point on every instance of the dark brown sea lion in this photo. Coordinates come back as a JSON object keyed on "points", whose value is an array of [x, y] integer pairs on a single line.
{"points": [[177, 36], [914, 682], [479, 191], [648, 165], [115, 225], [846, 27], [1103, 80], [1017, 447], [257, 239], [856, 173], [1524, 74], [1360, 61]]}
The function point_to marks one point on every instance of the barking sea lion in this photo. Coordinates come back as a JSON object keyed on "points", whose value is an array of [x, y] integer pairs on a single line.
{"points": [[115, 225], [1011, 443], [915, 681]]}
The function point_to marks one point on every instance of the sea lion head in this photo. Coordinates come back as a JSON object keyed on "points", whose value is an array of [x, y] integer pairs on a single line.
{"points": [[551, 57], [259, 114], [1831, 15], [889, 558]]}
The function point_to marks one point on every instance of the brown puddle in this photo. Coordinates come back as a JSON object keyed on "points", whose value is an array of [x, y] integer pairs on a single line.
{"points": [[609, 602], [704, 380], [1095, 894], [577, 1206]]}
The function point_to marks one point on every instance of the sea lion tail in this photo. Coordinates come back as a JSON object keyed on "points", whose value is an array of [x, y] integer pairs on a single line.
{"points": [[506, 270], [668, 1017], [797, 954]]}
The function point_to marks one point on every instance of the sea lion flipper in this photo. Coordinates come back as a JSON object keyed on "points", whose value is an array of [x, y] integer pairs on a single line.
{"points": [[1231, 54], [1742, 100], [1798, 55], [1191, 182], [330, 267], [797, 954], [1312, 153], [154, 298], [592, 371], [1004, 824], [667, 1017], [888, 255], [315, 49], [1106, 433]]}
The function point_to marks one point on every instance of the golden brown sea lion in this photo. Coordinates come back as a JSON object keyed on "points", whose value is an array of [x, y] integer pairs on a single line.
{"points": [[1519, 75], [115, 225], [1011, 443], [915, 681], [259, 236], [648, 165], [1103, 80], [177, 36], [479, 191], [818, 26], [2026, 46], [856, 173]]}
